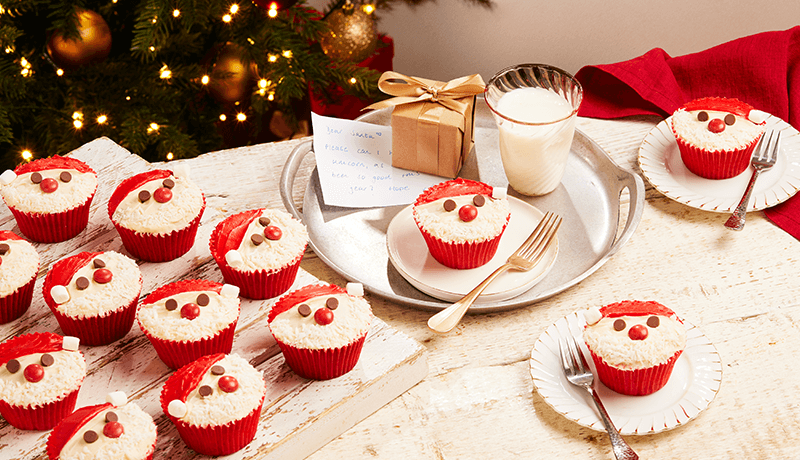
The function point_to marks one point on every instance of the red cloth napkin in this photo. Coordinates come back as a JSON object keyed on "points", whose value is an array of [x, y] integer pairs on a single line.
{"points": [[762, 70]]}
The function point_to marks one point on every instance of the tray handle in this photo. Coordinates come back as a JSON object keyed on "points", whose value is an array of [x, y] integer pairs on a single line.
{"points": [[289, 173], [635, 186]]}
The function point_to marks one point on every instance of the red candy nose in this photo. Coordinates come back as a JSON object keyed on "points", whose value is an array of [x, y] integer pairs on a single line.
{"points": [[716, 125], [638, 332]]}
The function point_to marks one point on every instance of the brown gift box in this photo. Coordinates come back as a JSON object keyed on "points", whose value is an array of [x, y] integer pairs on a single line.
{"points": [[432, 121]]}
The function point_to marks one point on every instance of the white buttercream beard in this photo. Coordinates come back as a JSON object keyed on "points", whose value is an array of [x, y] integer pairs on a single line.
{"points": [[351, 320], [26, 196], [448, 226], [20, 264], [269, 254], [137, 440], [169, 325], [124, 287], [619, 350], [62, 377], [696, 132], [160, 218]]}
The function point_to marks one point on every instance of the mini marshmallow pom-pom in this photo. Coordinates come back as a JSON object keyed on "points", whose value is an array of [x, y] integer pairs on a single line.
{"points": [[117, 398], [181, 170], [757, 116], [70, 343], [229, 290], [592, 316], [59, 294], [177, 408], [356, 289], [7, 177], [498, 193], [234, 259]]}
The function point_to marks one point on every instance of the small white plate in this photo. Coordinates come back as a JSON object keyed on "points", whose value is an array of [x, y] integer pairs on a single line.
{"points": [[694, 382], [409, 254], [661, 164]]}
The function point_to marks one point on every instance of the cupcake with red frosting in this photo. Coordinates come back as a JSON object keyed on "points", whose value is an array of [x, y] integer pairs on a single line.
{"points": [[321, 329], [215, 403], [157, 213], [117, 429], [50, 198], [188, 319], [260, 251], [716, 136], [93, 295], [40, 376], [19, 265], [634, 345], [462, 221]]}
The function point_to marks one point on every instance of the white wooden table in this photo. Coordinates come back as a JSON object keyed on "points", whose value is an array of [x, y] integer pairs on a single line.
{"points": [[478, 400]]}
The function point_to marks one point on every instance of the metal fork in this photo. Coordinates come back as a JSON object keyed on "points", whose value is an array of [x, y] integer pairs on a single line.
{"points": [[525, 258], [579, 374], [764, 157]]}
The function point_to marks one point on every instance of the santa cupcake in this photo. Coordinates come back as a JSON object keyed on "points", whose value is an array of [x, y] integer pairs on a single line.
{"points": [[634, 345], [19, 265], [462, 221], [40, 376], [188, 319], [215, 403], [93, 295], [50, 198], [117, 429], [260, 251], [321, 329], [157, 213]]}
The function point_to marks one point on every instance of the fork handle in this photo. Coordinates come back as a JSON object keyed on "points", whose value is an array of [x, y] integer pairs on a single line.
{"points": [[622, 451], [446, 320], [736, 220]]}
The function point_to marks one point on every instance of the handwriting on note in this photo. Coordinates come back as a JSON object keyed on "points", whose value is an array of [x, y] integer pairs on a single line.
{"points": [[354, 162]]}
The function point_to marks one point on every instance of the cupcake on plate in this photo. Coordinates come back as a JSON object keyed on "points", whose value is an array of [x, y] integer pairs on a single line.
{"points": [[260, 251], [93, 295], [215, 403], [40, 376], [188, 319], [157, 213], [634, 345], [115, 430], [462, 221], [50, 197], [716, 136], [19, 265], [321, 329]]}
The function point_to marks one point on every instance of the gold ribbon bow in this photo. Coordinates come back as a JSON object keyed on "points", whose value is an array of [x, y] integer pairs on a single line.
{"points": [[409, 90]]}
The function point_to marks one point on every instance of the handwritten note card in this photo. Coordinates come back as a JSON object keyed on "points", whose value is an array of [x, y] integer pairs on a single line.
{"points": [[354, 162]]}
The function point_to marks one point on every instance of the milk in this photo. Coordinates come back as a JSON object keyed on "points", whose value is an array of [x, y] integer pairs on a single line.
{"points": [[534, 155]]}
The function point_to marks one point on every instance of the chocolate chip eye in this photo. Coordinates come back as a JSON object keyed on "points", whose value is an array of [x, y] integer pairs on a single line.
{"points": [[82, 283], [702, 116], [304, 310], [65, 176], [144, 195], [256, 239], [449, 205], [112, 417], [13, 366], [168, 183], [205, 391], [4, 248], [619, 325], [332, 303], [263, 221], [217, 370], [203, 300], [653, 321], [98, 263], [730, 119], [47, 360], [90, 436], [36, 178], [171, 304], [479, 200]]}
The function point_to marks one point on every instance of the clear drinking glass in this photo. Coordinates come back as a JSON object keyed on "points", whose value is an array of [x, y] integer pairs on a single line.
{"points": [[535, 107]]}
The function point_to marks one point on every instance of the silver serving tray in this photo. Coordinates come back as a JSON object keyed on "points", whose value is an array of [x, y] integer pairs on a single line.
{"points": [[352, 241]]}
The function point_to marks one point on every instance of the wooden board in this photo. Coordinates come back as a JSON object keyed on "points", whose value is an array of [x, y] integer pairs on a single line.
{"points": [[299, 415]]}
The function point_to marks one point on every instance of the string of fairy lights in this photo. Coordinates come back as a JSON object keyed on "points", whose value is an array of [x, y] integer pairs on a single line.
{"points": [[265, 88]]}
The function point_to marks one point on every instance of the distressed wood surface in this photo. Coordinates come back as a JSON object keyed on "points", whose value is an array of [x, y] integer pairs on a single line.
{"points": [[478, 400]]}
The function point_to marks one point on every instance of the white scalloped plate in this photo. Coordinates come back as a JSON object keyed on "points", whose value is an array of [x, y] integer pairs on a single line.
{"points": [[661, 164], [694, 382]]}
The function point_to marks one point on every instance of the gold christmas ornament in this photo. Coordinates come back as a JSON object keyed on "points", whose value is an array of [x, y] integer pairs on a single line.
{"points": [[93, 46], [231, 79], [352, 34]]}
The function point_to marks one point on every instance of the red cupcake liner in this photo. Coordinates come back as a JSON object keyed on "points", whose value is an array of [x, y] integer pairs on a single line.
{"points": [[322, 364], [42, 417], [17, 303], [53, 227], [261, 284], [634, 382], [715, 164], [215, 440], [176, 354], [98, 330], [160, 248], [462, 255]]}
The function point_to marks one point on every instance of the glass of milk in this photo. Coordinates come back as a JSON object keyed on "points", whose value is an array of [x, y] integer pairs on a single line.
{"points": [[535, 107]]}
